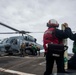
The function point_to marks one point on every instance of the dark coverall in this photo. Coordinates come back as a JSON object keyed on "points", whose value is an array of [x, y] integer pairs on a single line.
{"points": [[60, 34], [72, 60]]}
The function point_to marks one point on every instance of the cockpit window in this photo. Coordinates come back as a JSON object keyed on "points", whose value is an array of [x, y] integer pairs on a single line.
{"points": [[13, 41], [26, 38], [30, 38], [4, 40], [35, 40]]}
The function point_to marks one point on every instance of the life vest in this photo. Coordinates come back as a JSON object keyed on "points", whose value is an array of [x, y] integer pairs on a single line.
{"points": [[49, 37]]}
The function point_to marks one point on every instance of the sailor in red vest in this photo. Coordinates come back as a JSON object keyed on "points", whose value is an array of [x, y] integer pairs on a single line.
{"points": [[55, 36]]}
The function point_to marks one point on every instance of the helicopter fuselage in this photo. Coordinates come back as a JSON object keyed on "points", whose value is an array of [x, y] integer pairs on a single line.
{"points": [[13, 44]]}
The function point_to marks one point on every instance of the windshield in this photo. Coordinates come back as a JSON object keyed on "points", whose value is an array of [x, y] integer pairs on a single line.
{"points": [[4, 40]]}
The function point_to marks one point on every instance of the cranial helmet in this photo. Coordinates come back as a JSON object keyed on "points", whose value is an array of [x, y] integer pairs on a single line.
{"points": [[52, 23]]}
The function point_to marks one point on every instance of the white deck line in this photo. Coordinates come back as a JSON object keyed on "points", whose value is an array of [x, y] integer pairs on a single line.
{"points": [[42, 63], [15, 72]]}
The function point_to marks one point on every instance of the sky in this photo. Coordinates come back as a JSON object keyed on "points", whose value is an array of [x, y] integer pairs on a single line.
{"points": [[32, 15]]}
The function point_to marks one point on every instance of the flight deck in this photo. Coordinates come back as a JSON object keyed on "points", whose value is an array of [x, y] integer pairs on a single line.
{"points": [[28, 65]]}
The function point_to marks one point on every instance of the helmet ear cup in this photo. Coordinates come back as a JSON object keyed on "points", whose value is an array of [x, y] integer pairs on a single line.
{"points": [[48, 25], [58, 25]]}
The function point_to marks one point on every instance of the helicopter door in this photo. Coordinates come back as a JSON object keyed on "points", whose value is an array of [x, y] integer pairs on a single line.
{"points": [[14, 45]]}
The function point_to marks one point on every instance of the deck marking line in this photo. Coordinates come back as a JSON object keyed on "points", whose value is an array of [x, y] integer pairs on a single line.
{"points": [[42, 63], [14, 72]]}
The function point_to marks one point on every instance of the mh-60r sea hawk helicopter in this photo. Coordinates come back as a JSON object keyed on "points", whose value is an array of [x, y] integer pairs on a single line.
{"points": [[13, 44]]}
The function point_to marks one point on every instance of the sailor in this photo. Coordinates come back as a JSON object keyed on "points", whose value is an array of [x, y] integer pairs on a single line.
{"points": [[72, 60], [23, 46], [55, 36]]}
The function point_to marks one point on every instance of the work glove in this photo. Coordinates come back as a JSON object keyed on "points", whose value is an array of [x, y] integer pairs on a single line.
{"points": [[65, 25]]}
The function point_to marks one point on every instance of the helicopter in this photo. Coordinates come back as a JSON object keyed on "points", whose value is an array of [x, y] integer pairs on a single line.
{"points": [[12, 44]]}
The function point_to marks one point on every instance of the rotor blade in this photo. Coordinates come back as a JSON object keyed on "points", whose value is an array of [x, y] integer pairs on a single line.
{"points": [[36, 32], [8, 27], [18, 31], [22, 32], [74, 31], [9, 32]]}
